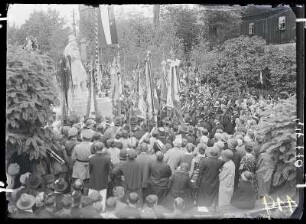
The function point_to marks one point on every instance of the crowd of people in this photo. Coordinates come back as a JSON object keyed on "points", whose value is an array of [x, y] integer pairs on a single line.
{"points": [[117, 170]]}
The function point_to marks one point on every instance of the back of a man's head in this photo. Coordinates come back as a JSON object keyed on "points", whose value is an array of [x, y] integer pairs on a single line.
{"points": [[119, 192], [143, 147], [179, 204], [151, 200], [133, 198], [110, 204]]}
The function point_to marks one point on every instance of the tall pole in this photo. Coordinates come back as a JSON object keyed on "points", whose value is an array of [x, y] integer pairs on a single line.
{"points": [[95, 89]]}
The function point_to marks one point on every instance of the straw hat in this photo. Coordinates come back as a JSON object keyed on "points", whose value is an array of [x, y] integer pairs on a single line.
{"points": [[25, 201]]}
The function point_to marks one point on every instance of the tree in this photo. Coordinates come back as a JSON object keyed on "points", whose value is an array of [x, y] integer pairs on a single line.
{"points": [[277, 129], [30, 91], [185, 22], [47, 27], [219, 23]]}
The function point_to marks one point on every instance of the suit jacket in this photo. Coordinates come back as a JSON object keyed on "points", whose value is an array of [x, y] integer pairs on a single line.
{"points": [[173, 157], [99, 168], [245, 196], [159, 173], [132, 174], [144, 160], [180, 184]]}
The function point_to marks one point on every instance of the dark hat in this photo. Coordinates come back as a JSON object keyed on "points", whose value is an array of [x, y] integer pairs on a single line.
{"points": [[123, 154], [86, 201], [33, 181], [131, 154], [118, 145], [60, 185], [212, 152], [25, 201]]}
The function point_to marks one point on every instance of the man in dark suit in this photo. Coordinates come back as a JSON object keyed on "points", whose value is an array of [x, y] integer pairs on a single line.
{"points": [[144, 159], [159, 174], [99, 168]]}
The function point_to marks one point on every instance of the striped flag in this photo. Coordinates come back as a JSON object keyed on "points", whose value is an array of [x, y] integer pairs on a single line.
{"points": [[108, 29], [260, 78]]}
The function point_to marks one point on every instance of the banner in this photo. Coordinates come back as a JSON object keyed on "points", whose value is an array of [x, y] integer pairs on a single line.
{"points": [[142, 108], [163, 84], [107, 19]]}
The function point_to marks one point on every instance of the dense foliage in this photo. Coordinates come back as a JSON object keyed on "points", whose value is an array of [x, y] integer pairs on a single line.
{"points": [[30, 91], [47, 27], [277, 129]]}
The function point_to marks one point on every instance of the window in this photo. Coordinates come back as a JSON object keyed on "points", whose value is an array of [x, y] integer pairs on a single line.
{"points": [[282, 23], [251, 28]]}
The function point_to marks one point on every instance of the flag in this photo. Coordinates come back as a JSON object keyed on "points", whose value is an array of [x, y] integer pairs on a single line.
{"points": [[108, 29], [163, 86], [151, 94], [142, 108], [173, 88], [116, 86], [260, 78]]}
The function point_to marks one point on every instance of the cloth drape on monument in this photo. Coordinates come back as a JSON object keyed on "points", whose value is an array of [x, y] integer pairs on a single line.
{"points": [[142, 107], [163, 84], [151, 94], [173, 88], [116, 84]]}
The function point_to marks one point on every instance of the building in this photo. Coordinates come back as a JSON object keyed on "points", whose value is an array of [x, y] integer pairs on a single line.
{"points": [[275, 25]]}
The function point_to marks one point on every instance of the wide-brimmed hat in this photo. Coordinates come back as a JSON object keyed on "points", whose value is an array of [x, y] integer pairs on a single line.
{"points": [[25, 201], [33, 181], [60, 185]]}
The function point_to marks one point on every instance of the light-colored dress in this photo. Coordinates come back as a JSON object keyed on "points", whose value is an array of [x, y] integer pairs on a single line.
{"points": [[226, 185]]}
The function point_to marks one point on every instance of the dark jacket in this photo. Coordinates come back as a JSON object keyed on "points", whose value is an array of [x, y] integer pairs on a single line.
{"points": [[180, 185], [132, 173], [159, 173], [144, 160], [245, 196], [99, 168], [237, 157]]}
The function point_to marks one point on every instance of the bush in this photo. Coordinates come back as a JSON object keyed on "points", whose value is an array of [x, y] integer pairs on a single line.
{"points": [[30, 91]]}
